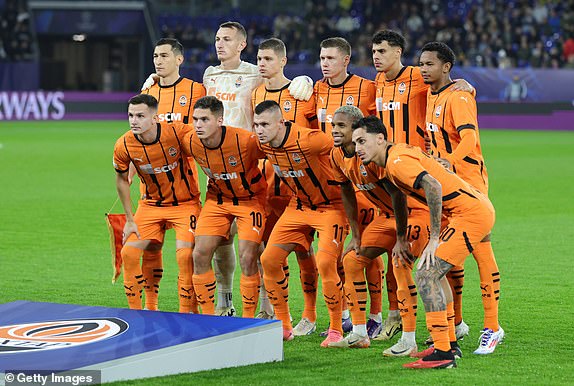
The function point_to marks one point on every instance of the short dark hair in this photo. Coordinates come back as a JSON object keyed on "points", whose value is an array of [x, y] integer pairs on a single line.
{"points": [[274, 44], [443, 52], [146, 99], [236, 26], [340, 43], [372, 125], [394, 38], [176, 46], [210, 103], [266, 106]]}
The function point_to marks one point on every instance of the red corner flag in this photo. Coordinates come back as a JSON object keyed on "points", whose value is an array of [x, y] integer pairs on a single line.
{"points": [[116, 224]]}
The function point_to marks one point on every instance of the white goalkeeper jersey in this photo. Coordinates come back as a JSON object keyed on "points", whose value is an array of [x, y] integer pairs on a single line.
{"points": [[233, 88]]}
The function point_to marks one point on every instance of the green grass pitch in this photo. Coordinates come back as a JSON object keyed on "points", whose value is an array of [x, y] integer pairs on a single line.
{"points": [[57, 181]]}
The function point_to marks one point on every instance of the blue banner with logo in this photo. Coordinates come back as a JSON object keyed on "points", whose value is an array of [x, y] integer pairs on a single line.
{"points": [[48, 336]]}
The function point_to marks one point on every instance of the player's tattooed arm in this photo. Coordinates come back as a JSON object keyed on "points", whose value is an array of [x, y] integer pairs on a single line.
{"points": [[433, 194], [430, 288]]}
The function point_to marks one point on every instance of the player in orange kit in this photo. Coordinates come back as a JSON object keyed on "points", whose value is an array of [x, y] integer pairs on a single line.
{"points": [[453, 126], [470, 218], [300, 156], [171, 195]]}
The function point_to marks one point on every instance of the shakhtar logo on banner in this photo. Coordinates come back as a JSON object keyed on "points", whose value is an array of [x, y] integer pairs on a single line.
{"points": [[58, 334]]}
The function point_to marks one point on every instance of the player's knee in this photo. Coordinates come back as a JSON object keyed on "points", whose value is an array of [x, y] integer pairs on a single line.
{"points": [[327, 267], [425, 275]]}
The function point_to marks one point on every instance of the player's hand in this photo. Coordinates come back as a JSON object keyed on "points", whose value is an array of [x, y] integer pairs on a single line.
{"points": [[462, 85], [444, 162], [301, 88], [130, 228], [401, 253], [354, 245], [150, 81], [428, 258]]}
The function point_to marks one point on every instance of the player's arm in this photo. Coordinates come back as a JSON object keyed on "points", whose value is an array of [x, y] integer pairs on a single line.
{"points": [[350, 205], [433, 194], [463, 110], [401, 250], [463, 85], [467, 143], [123, 188]]}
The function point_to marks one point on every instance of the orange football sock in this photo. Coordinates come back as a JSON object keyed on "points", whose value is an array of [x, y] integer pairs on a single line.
{"points": [[184, 280], [273, 259], [356, 286], [204, 286], [391, 286], [332, 288], [309, 278], [456, 280], [406, 297], [375, 274], [341, 273], [152, 269], [249, 288], [437, 325], [489, 283], [450, 320], [133, 278]]}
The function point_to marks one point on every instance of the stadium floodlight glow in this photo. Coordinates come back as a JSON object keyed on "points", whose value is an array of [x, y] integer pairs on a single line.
{"points": [[79, 37]]}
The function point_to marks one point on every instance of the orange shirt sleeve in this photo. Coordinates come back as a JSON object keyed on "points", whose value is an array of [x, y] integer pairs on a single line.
{"points": [[404, 169], [319, 142], [121, 160], [371, 106], [338, 174], [464, 120]]}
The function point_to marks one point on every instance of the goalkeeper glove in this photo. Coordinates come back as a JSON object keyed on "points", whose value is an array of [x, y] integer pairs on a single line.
{"points": [[301, 88], [150, 81]]}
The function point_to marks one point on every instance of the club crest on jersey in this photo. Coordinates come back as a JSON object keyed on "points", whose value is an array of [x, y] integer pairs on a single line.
{"points": [[239, 81], [363, 170], [437, 111], [49, 335], [402, 88], [350, 100], [172, 151], [182, 100], [287, 106], [232, 161], [296, 157]]}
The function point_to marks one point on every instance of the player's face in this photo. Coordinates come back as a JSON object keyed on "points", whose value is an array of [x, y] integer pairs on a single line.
{"points": [[366, 146], [432, 69], [165, 60], [333, 62], [141, 118], [228, 44], [385, 55], [269, 63], [205, 123], [342, 129], [267, 125]]}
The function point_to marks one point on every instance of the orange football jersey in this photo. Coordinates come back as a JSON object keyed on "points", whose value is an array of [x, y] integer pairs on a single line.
{"points": [[354, 91], [303, 164], [161, 165], [176, 101], [232, 166]]}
